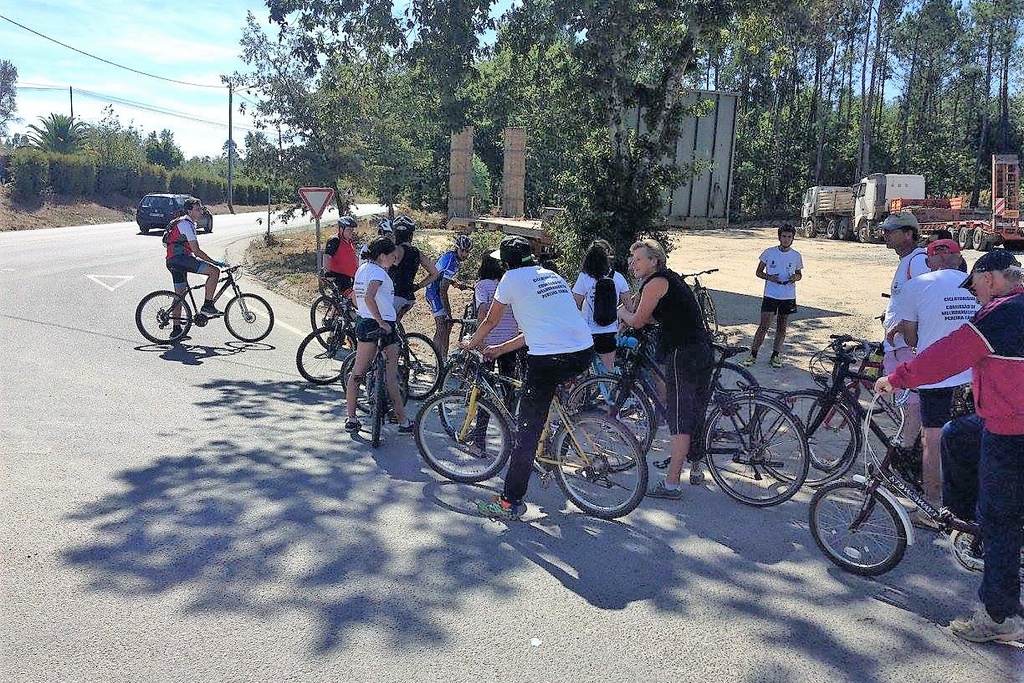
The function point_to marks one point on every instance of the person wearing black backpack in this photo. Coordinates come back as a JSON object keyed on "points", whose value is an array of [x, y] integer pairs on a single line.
{"points": [[598, 292]]}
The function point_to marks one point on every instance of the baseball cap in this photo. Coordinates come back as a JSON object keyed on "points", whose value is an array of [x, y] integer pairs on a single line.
{"points": [[947, 247], [990, 262], [900, 221], [514, 251]]}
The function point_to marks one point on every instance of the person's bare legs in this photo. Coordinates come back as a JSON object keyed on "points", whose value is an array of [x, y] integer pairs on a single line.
{"points": [[931, 463], [680, 449], [780, 334], [391, 354], [762, 332], [364, 355], [442, 333]]}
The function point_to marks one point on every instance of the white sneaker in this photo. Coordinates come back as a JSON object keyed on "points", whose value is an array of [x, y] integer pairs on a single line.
{"points": [[980, 628]]}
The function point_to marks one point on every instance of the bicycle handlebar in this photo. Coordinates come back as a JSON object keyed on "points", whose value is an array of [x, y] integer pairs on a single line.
{"points": [[703, 272]]}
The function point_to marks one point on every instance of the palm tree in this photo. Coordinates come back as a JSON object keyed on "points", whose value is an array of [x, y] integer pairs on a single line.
{"points": [[60, 134]]}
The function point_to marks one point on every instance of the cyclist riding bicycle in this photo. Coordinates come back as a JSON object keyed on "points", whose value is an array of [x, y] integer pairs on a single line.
{"points": [[182, 252], [437, 291], [559, 348], [408, 260], [343, 263]]}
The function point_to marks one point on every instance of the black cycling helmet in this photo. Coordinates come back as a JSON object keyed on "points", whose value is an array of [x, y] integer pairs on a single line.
{"points": [[347, 222], [515, 251], [463, 242], [404, 221], [385, 229]]}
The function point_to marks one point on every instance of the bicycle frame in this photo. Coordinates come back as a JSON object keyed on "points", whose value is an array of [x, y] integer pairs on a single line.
{"points": [[879, 476], [483, 379], [228, 281]]}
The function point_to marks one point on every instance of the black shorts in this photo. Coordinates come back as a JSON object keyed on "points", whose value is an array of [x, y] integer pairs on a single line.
{"points": [[936, 406], [367, 330], [604, 342], [341, 281], [688, 372], [780, 306]]}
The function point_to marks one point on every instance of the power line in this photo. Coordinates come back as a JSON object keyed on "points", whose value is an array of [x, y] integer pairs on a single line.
{"points": [[107, 61], [134, 105]]}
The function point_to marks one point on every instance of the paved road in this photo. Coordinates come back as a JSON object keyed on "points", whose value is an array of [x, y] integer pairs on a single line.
{"points": [[196, 513]]}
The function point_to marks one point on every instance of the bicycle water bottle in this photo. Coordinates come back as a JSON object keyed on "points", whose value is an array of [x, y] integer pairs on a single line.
{"points": [[626, 342]]}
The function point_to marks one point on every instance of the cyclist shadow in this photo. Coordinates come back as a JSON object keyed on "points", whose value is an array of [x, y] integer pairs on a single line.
{"points": [[608, 563], [195, 354]]}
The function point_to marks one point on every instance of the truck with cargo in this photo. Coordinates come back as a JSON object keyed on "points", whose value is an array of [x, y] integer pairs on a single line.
{"points": [[880, 194], [845, 213], [976, 228]]}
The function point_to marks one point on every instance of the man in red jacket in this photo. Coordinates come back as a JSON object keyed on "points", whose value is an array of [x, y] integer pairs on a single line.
{"points": [[992, 343]]}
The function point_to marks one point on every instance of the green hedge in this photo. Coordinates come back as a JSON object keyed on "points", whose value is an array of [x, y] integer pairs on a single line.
{"points": [[31, 171], [79, 175]]}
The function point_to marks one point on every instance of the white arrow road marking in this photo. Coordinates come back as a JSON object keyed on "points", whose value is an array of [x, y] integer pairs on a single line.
{"points": [[118, 280]]}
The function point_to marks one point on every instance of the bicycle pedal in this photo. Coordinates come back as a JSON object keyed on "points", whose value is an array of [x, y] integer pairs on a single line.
{"points": [[545, 480]]}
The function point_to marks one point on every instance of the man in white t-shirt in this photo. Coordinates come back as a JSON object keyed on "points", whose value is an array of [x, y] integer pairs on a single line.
{"points": [[930, 307], [559, 347], [901, 234], [781, 268]]}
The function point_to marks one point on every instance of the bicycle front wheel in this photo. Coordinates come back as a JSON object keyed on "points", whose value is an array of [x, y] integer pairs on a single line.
{"points": [[159, 313], [321, 365], [631, 407], [599, 466], [857, 530], [249, 317], [463, 442], [707, 307], [421, 365], [755, 450], [833, 434], [322, 311]]}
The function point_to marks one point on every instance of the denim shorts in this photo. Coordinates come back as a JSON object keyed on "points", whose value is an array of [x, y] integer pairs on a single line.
{"points": [[367, 330]]}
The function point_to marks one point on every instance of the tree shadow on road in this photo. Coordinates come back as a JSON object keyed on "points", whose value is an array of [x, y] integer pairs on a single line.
{"points": [[283, 515]]}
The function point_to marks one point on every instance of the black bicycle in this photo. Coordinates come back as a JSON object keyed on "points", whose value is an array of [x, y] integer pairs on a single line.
{"points": [[861, 525], [321, 354], [706, 303], [831, 415], [634, 393], [164, 317]]}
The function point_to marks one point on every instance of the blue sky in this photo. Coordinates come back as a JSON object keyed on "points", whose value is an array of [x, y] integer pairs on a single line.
{"points": [[195, 42]]}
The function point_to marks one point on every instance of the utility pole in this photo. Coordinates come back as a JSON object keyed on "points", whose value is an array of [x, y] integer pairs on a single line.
{"points": [[71, 96], [231, 151]]}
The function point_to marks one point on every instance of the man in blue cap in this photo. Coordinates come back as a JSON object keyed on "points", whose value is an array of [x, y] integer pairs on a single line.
{"points": [[992, 344]]}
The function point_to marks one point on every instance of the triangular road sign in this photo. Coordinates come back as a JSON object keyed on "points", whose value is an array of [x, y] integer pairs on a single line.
{"points": [[118, 280], [316, 199]]}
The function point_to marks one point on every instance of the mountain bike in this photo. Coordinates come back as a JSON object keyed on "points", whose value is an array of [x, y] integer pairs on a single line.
{"points": [[419, 365], [634, 392], [321, 354], [331, 303], [861, 525], [706, 303], [164, 316], [753, 445], [467, 435], [831, 415], [376, 390]]}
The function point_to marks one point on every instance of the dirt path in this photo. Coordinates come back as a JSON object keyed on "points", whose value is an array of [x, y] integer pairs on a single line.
{"points": [[840, 291]]}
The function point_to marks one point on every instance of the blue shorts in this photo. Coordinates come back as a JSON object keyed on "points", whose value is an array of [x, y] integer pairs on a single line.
{"points": [[433, 297], [181, 265]]}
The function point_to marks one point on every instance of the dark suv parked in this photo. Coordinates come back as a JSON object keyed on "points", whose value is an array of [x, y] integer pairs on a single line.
{"points": [[157, 210]]}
